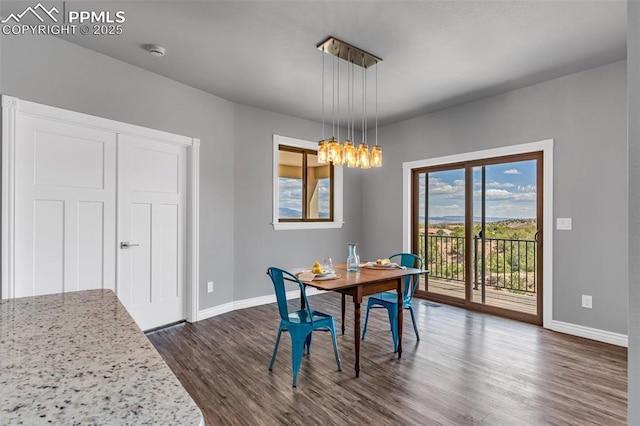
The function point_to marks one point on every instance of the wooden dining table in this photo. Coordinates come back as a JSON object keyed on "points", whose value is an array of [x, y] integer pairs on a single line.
{"points": [[365, 282]]}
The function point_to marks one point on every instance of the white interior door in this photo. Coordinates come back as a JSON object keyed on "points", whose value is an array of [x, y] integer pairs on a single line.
{"points": [[74, 186], [152, 206], [65, 207]]}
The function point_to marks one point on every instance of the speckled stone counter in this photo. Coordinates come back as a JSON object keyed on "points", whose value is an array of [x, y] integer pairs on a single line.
{"points": [[79, 358]]}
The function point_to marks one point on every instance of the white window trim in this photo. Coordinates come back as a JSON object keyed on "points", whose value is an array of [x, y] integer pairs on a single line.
{"points": [[337, 189], [546, 146]]}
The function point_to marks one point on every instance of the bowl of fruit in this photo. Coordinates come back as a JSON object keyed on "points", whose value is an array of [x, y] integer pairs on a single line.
{"points": [[319, 271]]}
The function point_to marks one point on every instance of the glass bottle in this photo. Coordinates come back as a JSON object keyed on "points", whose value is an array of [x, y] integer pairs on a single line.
{"points": [[353, 261]]}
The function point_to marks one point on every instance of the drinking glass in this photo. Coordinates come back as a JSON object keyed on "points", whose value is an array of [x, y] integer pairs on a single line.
{"points": [[327, 264]]}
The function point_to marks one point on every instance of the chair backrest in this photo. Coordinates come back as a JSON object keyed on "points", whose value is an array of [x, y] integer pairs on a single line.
{"points": [[277, 276], [409, 260]]}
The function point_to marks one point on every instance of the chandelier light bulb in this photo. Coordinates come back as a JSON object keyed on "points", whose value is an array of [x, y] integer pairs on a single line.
{"points": [[322, 152], [376, 156], [350, 154], [338, 158], [363, 156], [332, 150]]}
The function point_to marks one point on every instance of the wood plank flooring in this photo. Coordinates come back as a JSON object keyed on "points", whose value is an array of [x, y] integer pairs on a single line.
{"points": [[469, 368]]}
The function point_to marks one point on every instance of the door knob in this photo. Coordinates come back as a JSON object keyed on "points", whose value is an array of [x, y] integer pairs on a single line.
{"points": [[127, 244]]}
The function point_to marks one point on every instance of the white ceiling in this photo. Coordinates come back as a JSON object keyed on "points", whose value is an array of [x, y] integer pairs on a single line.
{"points": [[435, 53]]}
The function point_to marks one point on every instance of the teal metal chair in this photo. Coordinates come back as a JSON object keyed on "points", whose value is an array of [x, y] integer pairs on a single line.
{"points": [[389, 300], [300, 324]]}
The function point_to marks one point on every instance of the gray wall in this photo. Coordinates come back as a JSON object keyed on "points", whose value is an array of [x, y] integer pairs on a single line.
{"points": [[257, 244], [54, 72], [586, 115], [2, 37], [235, 168], [633, 81]]}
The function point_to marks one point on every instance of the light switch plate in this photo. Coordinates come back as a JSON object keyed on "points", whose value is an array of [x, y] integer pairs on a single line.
{"points": [[563, 224]]}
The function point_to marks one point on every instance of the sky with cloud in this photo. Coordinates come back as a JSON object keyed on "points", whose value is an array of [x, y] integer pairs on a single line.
{"points": [[510, 191], [290, 193]]}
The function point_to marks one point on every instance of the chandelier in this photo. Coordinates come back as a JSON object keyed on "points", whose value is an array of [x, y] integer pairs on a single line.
{"points": [[332, 150]]}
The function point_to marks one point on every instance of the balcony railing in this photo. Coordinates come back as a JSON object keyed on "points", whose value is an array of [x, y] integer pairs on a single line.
{"points": [[508, 264]]}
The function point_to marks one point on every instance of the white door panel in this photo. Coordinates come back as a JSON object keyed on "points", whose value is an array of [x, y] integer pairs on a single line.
{"points": [[152, 218], [65, 207], [138, 258], [48, 250], [90, 248], [56, 160], [160, 172]]}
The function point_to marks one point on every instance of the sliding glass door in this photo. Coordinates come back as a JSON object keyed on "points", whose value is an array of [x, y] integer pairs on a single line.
{"points": [[441, 230], [478, 227]]}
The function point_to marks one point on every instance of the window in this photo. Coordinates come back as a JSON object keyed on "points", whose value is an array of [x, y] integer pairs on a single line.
{"points": [[304, 186], [307, 195]]}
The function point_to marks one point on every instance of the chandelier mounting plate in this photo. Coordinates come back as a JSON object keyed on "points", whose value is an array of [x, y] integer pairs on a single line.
{"points": [[348, 52]]}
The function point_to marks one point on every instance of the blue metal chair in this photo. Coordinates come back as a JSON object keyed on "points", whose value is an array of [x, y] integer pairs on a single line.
{"points": [[300, 324], [389, 300]]}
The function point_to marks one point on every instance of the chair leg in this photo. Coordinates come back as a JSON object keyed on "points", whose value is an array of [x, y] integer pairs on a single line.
{"points": [[335, 347], [393, 320], [366, 321], [344, 307], [297, 349], [275, 350], [307, 343], [413, 319]]}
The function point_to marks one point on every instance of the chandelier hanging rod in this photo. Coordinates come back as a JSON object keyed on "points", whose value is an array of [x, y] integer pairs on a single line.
{"points": [[348, 52]]}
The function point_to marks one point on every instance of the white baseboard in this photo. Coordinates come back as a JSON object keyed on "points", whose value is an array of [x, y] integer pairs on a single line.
{"points": [[249, 303], [590, 333], [610, 337], [215, 311]]}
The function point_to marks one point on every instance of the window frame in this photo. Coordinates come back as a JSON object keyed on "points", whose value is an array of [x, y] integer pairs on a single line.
{"points": [[336, 215], [305, 170]]}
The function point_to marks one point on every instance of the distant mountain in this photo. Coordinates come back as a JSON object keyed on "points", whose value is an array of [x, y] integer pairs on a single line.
{"points": [[444, 219], [460, 219], [287, 213]]}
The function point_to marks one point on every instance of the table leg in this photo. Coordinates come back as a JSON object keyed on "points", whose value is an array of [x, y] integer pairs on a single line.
{"points": [[400, 312], [356, 337], [302, 305], [343, 310]]}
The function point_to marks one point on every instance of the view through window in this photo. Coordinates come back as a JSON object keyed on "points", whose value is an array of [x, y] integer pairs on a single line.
{"points": [[305, 187]]}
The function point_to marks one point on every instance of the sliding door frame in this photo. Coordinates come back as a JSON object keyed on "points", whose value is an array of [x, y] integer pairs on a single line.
{"points": [[468, 167], [415, 173], [545, 214]]}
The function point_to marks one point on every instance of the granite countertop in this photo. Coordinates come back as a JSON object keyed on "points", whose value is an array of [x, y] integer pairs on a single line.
{"points": [[79, 358]]}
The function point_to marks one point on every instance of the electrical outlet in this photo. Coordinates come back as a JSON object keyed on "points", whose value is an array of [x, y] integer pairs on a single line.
{"points": [[587, 301], [210, 287]]}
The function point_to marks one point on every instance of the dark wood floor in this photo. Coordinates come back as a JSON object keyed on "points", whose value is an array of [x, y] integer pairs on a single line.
{"points": [[468, 368]]}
